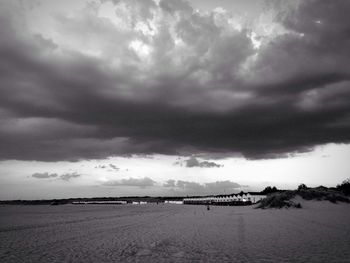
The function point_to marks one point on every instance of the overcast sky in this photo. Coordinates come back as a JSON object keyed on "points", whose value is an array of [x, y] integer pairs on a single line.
{"points": [[170, 97]]}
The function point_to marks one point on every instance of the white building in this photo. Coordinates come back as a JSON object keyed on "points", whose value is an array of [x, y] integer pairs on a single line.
{"points": [[173, 202], [99, 203], [234, 199]]}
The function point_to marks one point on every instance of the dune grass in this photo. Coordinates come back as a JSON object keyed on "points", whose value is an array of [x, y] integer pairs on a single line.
{"points": [[285, 198]]}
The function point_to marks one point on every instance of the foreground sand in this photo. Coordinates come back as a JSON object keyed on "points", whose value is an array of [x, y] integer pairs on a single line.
{"points": [[174, 233]]}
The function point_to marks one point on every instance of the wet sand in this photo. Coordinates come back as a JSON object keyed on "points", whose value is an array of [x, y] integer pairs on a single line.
{"points": [[320, 232]]}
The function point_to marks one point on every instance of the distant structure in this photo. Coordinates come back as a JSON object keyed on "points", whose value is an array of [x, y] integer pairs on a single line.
{"points": [[228, 200], [99, 203], [139, 203], [173, 202]]}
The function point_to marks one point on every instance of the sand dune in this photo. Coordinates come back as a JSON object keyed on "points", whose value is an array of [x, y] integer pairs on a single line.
{"points": [[320, 232]]}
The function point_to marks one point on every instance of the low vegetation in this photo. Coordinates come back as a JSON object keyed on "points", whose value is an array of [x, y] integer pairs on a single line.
{"points": [[279, 199], [344, 187]]}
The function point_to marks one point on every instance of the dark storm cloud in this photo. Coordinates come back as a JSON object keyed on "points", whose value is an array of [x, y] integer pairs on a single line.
{"points": [[139, 182], [207, 188], [186, 83], [43, 175]]}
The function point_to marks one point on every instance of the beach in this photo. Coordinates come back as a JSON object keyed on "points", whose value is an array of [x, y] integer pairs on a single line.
{"points": [[319, 232]]}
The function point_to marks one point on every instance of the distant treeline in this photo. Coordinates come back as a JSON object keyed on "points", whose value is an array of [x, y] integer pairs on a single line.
{"points": [[129, 199], [343, 188]]}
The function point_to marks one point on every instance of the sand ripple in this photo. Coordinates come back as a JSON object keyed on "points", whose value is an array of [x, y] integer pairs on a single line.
{"points": [[174, 233]]}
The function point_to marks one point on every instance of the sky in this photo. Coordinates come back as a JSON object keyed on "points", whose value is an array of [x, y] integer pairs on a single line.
{"points": [[172, 97]]}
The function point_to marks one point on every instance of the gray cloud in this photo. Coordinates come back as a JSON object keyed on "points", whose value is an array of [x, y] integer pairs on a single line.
{"points": [[139, 182], [170, 183], [68, 176], [101, 166], [67, 94], [193, 162], [188, 187], [114, 167], [44, 175], [110, 167], [219, 186], [65, 177]]}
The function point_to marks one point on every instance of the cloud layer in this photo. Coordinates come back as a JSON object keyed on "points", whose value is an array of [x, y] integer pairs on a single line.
{"points": [[43, 175], [189, 187], [165, 78], [138, 182], [64, 177], [194, 162]]}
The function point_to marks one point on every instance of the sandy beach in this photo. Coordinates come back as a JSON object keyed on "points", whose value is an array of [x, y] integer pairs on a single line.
{"points": [[320, 232]]}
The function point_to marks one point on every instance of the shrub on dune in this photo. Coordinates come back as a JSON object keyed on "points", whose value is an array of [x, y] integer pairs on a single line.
{"points": [[285, 198], [316, 194], [344, 187], [279, 200]]}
